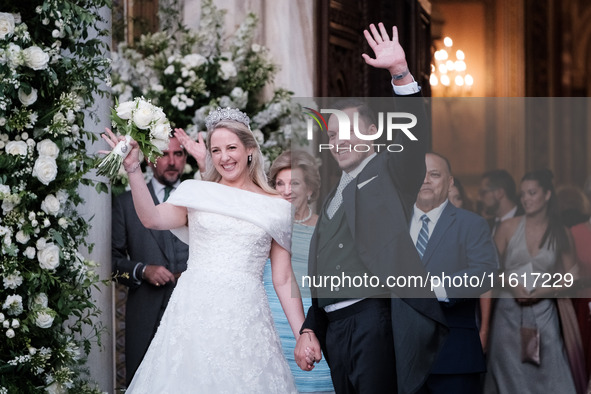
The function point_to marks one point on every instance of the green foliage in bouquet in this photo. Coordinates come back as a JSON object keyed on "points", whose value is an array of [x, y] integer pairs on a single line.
{"points": [[50, 68], [189, 73]]}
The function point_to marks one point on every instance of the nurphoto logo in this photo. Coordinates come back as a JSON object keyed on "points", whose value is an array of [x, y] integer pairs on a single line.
{"points": [[388, 121]]}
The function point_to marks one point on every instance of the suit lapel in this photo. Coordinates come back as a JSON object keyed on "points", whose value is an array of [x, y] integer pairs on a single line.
{"points": [[349, 195], [448, 216], [161, 237]]}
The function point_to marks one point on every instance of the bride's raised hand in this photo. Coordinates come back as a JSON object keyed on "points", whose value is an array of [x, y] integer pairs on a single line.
{"points": [[132, 157], [196, 149]]}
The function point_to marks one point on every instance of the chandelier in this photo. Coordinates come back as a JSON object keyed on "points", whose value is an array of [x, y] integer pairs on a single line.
{"points": [[448, 72]]}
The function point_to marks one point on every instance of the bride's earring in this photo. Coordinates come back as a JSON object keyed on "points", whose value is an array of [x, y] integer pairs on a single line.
{"points": [[249, 159]]}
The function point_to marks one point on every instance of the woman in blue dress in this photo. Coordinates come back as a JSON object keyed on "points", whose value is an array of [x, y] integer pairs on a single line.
{"points": [[294, 174]]}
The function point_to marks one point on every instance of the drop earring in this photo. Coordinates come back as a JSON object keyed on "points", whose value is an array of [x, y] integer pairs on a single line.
{"points": [[249, 159]]}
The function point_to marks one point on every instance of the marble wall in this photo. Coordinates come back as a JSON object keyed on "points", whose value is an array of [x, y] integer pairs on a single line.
{"points": [[286, 27]]}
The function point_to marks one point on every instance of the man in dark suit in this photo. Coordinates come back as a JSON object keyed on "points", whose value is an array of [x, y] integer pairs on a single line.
{"points": [[373, 340], [498, 197], [147, 261], [457, 248]]}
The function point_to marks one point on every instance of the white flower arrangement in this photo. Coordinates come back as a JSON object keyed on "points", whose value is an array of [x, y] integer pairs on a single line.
{"points": [[189, 73], [47, 86], [143, 122]]}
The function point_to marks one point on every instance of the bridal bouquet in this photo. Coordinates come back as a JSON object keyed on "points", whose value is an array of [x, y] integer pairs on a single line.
{"points": [[141, 121]]}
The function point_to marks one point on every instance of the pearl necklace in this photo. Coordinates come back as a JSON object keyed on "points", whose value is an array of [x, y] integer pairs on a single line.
{"points": [[304, 219]]}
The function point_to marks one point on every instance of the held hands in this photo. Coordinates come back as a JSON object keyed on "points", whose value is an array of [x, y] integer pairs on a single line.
{"points": [[307, 350], [388, 52], [131, 162]]}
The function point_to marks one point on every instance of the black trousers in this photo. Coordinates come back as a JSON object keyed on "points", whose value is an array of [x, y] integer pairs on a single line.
{"points": [[361, 349]]}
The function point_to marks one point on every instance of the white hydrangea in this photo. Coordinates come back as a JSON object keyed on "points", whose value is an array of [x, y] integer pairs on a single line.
{"points": [[13, 280], [13, 305]]}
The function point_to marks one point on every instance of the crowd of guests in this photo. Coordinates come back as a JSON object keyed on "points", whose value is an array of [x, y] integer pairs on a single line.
{"points": [[411, 217]]}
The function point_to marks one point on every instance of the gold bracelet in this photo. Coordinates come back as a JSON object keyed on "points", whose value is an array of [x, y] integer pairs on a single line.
{"points": [[134, 169]]}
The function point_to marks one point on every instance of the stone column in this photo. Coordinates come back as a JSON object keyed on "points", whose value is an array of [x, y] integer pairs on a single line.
{"points": [[98, 206]]}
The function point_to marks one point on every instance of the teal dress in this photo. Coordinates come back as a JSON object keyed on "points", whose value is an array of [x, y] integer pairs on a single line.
{"points": [[317, 380]]}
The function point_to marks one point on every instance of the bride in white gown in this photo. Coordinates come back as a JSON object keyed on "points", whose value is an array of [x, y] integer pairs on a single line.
{"points": [[217, 334]]}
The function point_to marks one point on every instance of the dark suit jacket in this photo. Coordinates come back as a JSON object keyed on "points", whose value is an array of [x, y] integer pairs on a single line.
{"points": [[377, 213], [133, 243], [460, 245]]}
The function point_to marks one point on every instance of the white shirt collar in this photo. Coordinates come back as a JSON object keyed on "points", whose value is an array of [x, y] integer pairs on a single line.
{"points": [[159, 188], [361, 166], [509, 214], [433, 214]]}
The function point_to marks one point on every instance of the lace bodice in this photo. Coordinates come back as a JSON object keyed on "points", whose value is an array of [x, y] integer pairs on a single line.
{"points": [[226, 245]]}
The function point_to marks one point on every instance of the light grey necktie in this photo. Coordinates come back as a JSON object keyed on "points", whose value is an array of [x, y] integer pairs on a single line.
{"points": [[337, 200]]}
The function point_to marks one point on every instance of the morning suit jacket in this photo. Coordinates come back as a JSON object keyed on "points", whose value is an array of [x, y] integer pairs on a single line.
{"points": [[378, 205], [459, 245], [145, 302]]}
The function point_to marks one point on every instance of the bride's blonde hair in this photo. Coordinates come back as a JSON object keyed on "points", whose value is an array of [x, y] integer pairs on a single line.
{"points": [[256, 171]]}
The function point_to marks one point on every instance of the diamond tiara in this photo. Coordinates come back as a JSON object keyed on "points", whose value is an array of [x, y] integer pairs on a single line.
{"points": [[221, 114]]}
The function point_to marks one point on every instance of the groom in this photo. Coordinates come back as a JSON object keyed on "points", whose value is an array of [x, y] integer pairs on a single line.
{"points": [[373, 340]]}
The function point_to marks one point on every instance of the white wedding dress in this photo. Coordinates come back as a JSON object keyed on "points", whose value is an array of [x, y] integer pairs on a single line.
{"points": [[217, 333]]}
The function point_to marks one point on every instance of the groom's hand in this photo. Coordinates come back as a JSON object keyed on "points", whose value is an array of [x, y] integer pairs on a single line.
{"points": [[388, 52], [307, 350]]}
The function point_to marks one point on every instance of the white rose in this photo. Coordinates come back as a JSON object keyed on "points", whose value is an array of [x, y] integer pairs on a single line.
{"points": [[15, 323], [169, 70], [44, 319], [6, 24], [48, 148], [62, 222], [160, 144], [16, 148], [159, 116], [45, 169], [36, 58], [144, 115], [30, 252], [41, 243], [4, 190], [49, 257], [6, 323], [1, 317], [21, 237], [41, 300], [227, 69], [255, 47], [10, 333], [161, 131], [51, 205], [124, 110], [27, 99]]}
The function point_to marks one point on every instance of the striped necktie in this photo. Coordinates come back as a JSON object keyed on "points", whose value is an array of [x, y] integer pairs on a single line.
{"points": [[423, 236]]}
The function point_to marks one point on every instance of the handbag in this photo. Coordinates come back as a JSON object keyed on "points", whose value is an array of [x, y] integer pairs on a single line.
{"points": [[530, 341]]}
